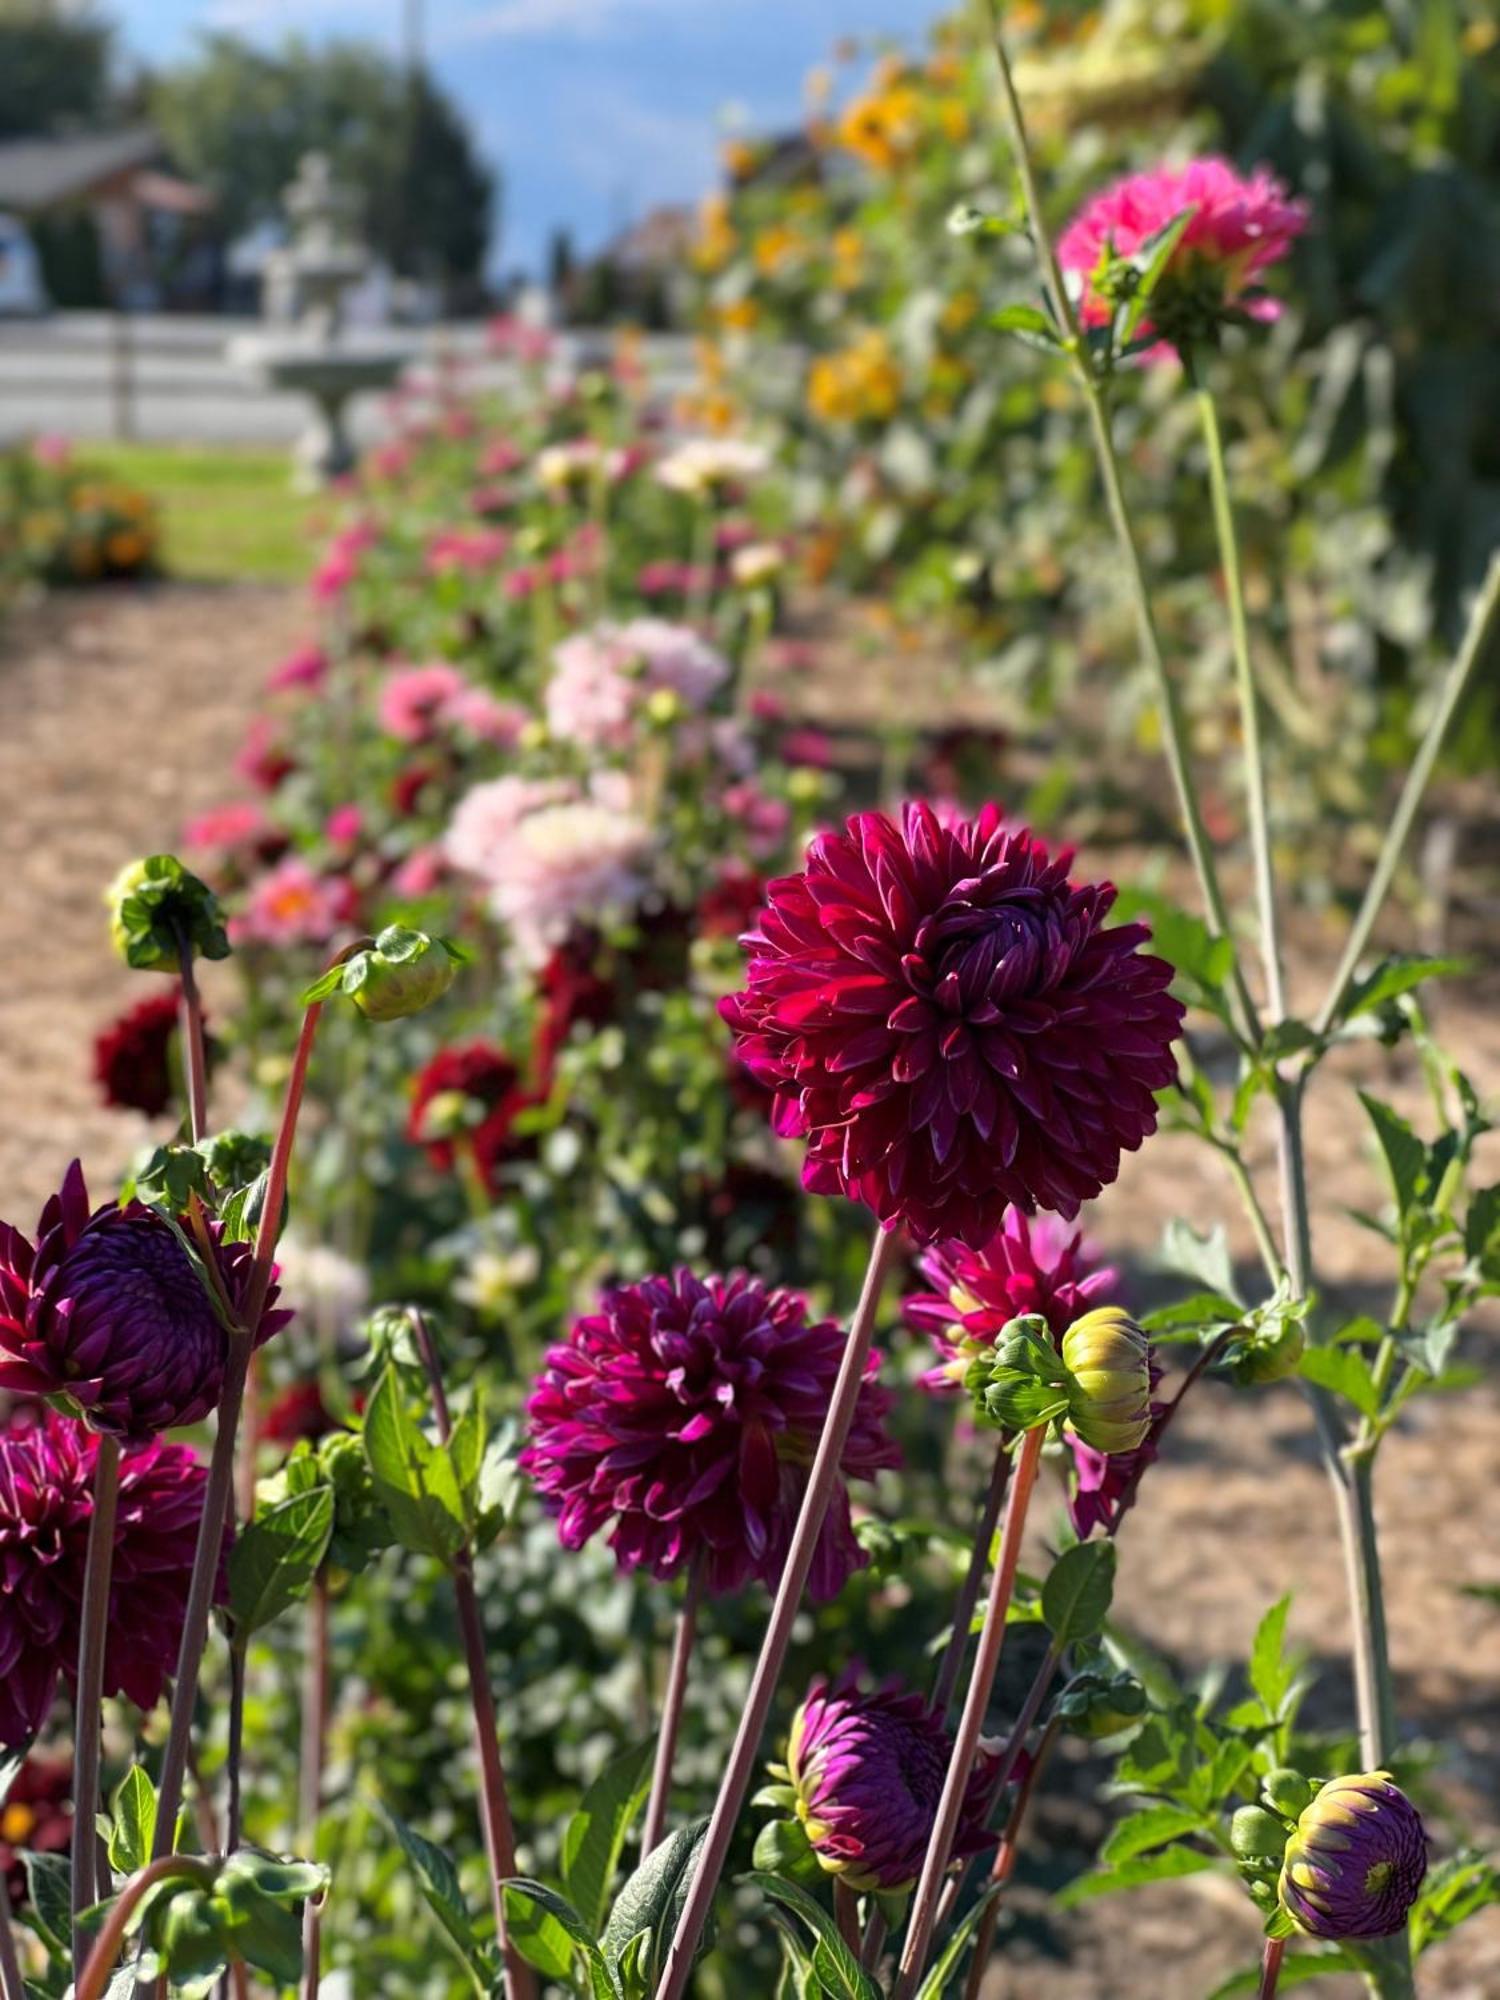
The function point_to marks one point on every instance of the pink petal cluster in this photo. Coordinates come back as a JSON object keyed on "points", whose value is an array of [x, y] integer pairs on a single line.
{"points": [[306, 668], [681, 1419], [293, 904], [417, 703], [466, 549], [601, 677]]}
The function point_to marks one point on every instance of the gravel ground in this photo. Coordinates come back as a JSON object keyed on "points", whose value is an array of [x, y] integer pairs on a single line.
{"points": [[120, 713]]}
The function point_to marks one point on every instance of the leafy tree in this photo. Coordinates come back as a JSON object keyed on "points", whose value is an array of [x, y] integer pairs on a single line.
{"points": [[55, 64], [239, 118]]}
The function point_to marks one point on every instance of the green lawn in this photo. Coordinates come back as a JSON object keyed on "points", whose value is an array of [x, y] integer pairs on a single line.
{"points": [[228, 513]]}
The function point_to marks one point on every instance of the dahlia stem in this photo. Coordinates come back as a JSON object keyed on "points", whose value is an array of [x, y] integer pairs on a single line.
{"points": [[219, 1492], [1270, 1968], [89, 1700], [875, 1931], [846, 1913], [95, 1976], [1005, 1860], [1249, 700], [1174, 727], [12, 1983], [814, 1510], [1483, 619], [971, 1723], [671, 1712], [234, 1755], [314, 1756], [968, 1596], [194, 1054], [494, 1800]]}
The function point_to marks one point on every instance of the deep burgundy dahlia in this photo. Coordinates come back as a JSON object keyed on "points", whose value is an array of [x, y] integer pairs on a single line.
{"points": [[1034, 1266], [106, 1309], [1356, 1859], [946, 1021], [46, 1500], [132, 1056], [470, 1092], [868, 1771], [683, 1416]]}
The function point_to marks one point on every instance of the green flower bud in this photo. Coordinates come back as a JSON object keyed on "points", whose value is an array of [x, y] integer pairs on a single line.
{"points": [[1287, 1791], [1097, 1706], [1257, 1835], [155, 905], [1271, 1355], [1108, 1359], [400, 974]]}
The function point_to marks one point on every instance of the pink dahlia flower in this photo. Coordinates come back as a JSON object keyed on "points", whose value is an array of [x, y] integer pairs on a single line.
{"points": [[412, 700], [292, 904], [306, 668], [1034, 1266], [600, 678], [46, 1503], [868, 1771], [105, 1309], [943, 1017], [1241, 225], [682, 1417]]}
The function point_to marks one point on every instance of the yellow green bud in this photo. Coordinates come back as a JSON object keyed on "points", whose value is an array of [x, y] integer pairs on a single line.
{"points": [[1108, 1359]]}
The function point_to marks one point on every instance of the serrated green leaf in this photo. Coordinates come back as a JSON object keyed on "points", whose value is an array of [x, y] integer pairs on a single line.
{"points": [[1482, 1225], [1271, 1671], [1346, 1372], [1028, 324], [437, 1878], [1205, 1258], [413, 1477], [133, 1824], [1201, 961], [547, 1931], [1405, 1155], [1166, 1864], [651, 1901], [1152, 1826], [1077, 1593], [596, 1833], [1296, 1969], [1393, 976], [838, 1970], [48, 1887], [274, 1560]]}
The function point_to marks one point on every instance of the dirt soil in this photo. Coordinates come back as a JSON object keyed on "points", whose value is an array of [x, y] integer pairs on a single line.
{"points": [[120, 714]]}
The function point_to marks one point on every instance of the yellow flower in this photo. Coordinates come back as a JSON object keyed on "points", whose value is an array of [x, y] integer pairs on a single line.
{"points": [[774, 248], [127, 548], [953, 119], [859, 382], [959, 312], [884, 129], [716, 241], [739, 315], [740, 159], [848, 258]]}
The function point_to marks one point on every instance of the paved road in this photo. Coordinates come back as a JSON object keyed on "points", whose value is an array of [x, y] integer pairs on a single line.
{"points": [[170, 380]]}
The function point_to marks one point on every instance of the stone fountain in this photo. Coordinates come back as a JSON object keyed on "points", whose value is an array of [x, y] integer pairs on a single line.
{"points": [[307, 347]]}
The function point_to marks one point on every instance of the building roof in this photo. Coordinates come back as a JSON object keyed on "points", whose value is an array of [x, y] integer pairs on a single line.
{"points": [[659, 241], [38, 174]]}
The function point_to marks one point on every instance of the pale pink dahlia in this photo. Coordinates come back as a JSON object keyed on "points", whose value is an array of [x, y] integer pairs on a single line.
{"points": [[1241, 225], [943, 1017], [1035, 1266], [600, 678], [682, 1418]]}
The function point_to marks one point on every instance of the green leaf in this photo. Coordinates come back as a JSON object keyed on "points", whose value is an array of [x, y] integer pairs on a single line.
{"points": [[1296, 1969], [596, 1833], [437, 1878], [1482, 1224], [1287, 1038], [547, 1931], [650, 1903], [133, 1827], [1346, 1372], [1204, 1258], [1453, 1892], [1152, 1826], [1405, 1155], [1207, 1312], [1167, 1864], [322, 987], [839, 1971], [1271, 1670], [1076, 1596], [1392, 977], [1028, 324], [1150, 261], [414, 1478], [783, 1848], [48, 1885], [1201, 961], [274, 1560], [947, 1963]]}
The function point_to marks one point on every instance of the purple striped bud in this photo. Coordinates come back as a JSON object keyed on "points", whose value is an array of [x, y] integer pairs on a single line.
{"points": [[1356, 1859]]}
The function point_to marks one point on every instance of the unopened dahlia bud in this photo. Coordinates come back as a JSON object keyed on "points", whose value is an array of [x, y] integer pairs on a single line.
{"points": [[1257, 1835], [1270, 1354], [1108, 1359], [155, 907], [1287, 1792], [1098, 1705], [867, 1772], [1356, 1859], [400, 974]]}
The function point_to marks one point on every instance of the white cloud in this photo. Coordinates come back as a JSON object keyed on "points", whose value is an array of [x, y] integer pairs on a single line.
{"points": [[513, 19]]}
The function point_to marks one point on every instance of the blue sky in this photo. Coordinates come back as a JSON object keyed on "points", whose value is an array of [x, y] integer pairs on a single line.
{"points": [[594, 109]]}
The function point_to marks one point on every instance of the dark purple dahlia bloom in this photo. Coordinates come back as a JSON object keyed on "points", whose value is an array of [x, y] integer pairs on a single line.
{"points": [[943, 1017], [1356, 1859], [1034, 1266], [683, 1417], [868, 1772], [106, 1309], [46, 1501]]}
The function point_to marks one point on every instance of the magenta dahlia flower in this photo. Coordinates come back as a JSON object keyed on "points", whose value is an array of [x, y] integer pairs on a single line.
{"points": [[683, 1417], [1241, 225], [1356, 1859], [106, 1309], [943, 1017], [1034, 1266], [868, 1770], [46, 1501]]}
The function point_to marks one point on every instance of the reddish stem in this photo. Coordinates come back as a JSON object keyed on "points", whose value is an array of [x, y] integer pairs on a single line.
{"points": [[314, 1757], [494, 1800], [671, 1711], [846, 1913], [971, 1723], [1005, 1861], [1270, 1968], [102, 1958], [93, 1640], [194, 1053], [968, 1596], [815, 1503]]}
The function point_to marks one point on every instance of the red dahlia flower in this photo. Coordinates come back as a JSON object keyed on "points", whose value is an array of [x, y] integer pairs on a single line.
{"points": [[1026, 1267], [37, 1818], [133, 1055], [946, 1021], [46, 1501], [105, 1309], [683, 1417], [469, 1094]]}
